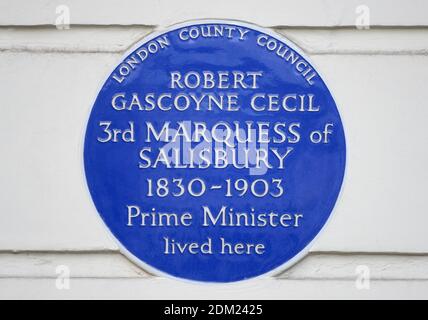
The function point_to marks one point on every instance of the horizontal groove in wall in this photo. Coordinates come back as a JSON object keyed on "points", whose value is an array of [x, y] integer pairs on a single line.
{"points": [[113, 265], [314, 41], [117, 251]]}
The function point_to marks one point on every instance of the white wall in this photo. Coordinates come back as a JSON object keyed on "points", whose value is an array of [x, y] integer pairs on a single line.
{"points": [[50, 78]]}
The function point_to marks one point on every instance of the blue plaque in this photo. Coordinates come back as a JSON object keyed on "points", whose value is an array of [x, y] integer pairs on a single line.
{"points": [[214, 152]]}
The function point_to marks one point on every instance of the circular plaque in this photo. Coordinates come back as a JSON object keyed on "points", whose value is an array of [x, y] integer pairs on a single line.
{"points": [[214, 152]]}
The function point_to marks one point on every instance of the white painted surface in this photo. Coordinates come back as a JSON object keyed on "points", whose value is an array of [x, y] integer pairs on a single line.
{"points": [[45, 192], [109, 275], [325, 13], [91, 39], [158, 288], [50, 78], [87, 39], [113, 265]]}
